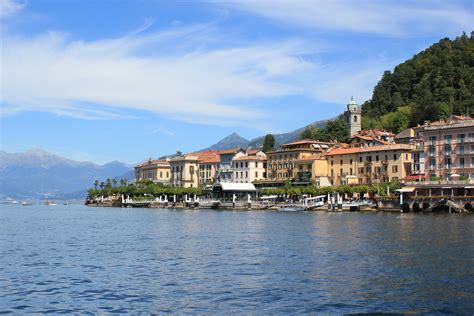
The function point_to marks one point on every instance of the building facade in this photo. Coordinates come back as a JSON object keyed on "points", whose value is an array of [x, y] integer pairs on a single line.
{"points": [[367, 165], [185, 169], [313, 169], [281, 162], [449, 150], [157, 171], [208, 170], [226, 171], [247, 169]]}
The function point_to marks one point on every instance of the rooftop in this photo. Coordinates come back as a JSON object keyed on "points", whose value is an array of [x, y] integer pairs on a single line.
{"points": [[355, 150]]}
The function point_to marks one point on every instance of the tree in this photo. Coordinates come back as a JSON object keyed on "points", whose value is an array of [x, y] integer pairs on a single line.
{"points": [[114, 181], [309, 132], [96, 184], [102, 185], [268, 143]]}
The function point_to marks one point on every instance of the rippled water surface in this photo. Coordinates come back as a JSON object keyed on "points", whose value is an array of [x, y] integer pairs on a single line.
{"points": [[73, 259]]}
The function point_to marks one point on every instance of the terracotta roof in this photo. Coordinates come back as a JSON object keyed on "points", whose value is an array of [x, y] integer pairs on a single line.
{"points": [[229, 151], [354, 150], [248, 158], [215, 159], [306, 141], [151, 162]]}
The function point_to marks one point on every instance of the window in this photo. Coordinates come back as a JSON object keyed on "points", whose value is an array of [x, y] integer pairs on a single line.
{"points": [[350, 161], [332, 163], [360, 159], [256, 174], [350, 171], [340, 172], [431, 151], [461, 162], [394, 169], [447, 139], [246, 164], [461, 138], [395, 156], [376, 157], [461, 149], [447, 163], [355, 118], [332, 172], [246, 174], [340, 163], [432, 140]]}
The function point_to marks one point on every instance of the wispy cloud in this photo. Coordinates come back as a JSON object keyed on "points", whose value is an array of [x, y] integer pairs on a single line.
{"points": [[10, 7], [52, 73], [164, 131], [366, 16]]}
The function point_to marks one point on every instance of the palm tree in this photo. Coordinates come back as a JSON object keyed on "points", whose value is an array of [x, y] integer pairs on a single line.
{"points": [[102, 185], [114, 181], [122, 182], [108, 183], [96, 184]]}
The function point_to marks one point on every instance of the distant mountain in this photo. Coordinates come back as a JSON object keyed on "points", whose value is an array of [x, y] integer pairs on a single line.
{"points": [[39, 174], [234, 140], [285, 137]]}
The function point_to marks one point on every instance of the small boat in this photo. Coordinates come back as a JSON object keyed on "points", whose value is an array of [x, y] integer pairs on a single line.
{"points": [[292, 208], [50, 203], [26, 203], [15, 202], [66, 203]]}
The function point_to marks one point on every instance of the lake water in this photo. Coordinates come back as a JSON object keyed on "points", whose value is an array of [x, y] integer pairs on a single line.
{"points": [[73, 259]]}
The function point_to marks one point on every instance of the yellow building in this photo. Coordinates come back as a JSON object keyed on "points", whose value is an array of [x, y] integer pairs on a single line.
{"points": [[366, 165], [157, 171], [313, 169], [281, 162], [185, 169]]}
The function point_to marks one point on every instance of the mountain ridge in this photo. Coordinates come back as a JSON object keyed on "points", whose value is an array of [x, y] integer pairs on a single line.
{"points": [[38, 174]]}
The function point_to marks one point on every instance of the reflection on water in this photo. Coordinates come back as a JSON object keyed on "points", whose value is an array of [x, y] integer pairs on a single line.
{"points": [[73, 259]]}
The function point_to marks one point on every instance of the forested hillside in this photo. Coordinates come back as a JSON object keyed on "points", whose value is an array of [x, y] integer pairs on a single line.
{"points": [[432, 85]]}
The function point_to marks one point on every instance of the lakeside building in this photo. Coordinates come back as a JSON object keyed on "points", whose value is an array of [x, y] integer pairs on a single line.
{"points": [[247, 169], [449, 149], [281, 162], [208, 170], [372, 164], [185, 168], [226, 171], [312, 169], [156, 170]]}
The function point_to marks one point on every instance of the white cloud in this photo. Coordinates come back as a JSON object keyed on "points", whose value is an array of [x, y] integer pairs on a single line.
{"points": [[366, 16], [10, 7], [101, 78]]}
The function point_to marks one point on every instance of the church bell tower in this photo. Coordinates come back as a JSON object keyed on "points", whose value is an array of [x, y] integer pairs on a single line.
{"points": [[353, 117]]}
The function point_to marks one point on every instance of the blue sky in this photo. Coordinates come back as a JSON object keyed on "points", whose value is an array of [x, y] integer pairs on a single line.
{"points": [[127, 80]]}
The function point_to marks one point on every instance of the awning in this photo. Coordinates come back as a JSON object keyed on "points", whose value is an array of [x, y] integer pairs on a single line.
{"points": [[235, 187], [415, 177], [406, 189]]}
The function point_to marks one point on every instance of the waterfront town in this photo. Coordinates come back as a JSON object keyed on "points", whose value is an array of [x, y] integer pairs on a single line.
{"points": [[432, 165]]}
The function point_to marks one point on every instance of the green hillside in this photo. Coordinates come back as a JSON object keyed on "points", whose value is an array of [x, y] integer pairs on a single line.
{"points": [[432, 85]]}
